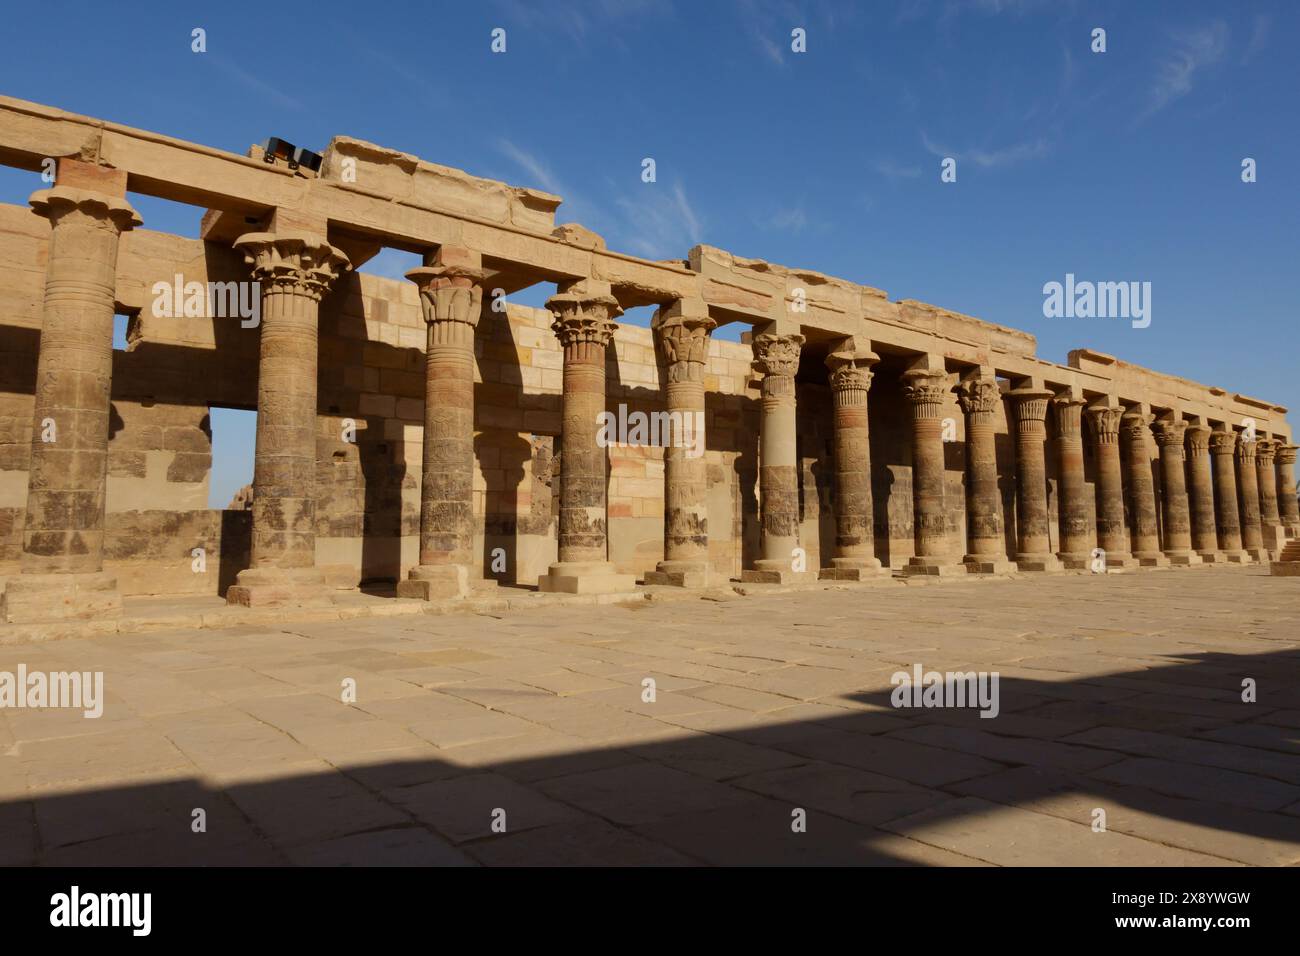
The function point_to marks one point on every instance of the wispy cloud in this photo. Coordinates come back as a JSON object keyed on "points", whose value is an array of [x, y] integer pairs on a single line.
{"points": [[1258, 36], [579, 22], [895, 171], [984, 158], [1176, 73], [254, 83], [540, 174], [658, 222]]}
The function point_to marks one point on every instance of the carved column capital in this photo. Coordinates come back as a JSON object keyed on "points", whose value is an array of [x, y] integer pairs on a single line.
{"points": [[850, 374], [682, 330], [1223, 442], [111, 212], [1105, 420], [302, 263], [1246, 451], [1030, 408], [776, 358], [1169, 433], [1135, 425], [450, 293], [979, 397], [1198, 441], [1069, 415], [584, 320], [1286, 454], [1264, 450], [927, 390]]}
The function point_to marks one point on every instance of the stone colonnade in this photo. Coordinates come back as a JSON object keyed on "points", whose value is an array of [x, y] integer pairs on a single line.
{"points": [[1222, 495]]}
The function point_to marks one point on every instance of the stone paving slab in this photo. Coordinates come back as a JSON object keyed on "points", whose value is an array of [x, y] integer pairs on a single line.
{"points": [[771, 739]]}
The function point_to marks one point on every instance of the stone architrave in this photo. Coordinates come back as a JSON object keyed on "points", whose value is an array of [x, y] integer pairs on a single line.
{"points": [[584, 312], [451, 300], [683, 332], [294, 270]]}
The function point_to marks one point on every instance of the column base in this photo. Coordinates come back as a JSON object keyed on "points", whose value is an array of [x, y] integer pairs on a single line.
{"points": [[279, 587], [585, 577], [1212, 557], [1257, 555], [1183, 559], [1235, 557], [1274, 540], [1151, 559], [932, 567], [32, 598], [854, 573], [1039, 563], [1075, 561], [435, 582], [681, 574], [1120, 560], [988, 564]]}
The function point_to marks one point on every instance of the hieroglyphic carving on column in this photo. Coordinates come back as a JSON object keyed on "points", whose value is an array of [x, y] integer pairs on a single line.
{"points": [[1112, 530], [584, 324], [294, 270], [1286, 490], [1135, 426], [1032, 518], [979, 398], [682, 331], [1200, 493], [451, 301], [1227, 514], [850, 378], [776, 358], [1072, 511], [927, 392], [1270, 517], [1170, 436]]}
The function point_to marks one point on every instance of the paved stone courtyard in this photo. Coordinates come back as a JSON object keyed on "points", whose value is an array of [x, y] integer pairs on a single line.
{"points": [[1121, 693]]}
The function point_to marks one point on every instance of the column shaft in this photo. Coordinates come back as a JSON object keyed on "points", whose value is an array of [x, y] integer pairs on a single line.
{"points": [[980, 398], [1177, 519], [451, 300], [294, 270], [1141, 489], [1032, 519], [1252, 537], [1200, 494], [1074, 519], [1112, 530], [682, 331], [776, 358], [1287, 503], [928, 390], [1270, 518], [855, 552], [62, 564], [1227, 519]]}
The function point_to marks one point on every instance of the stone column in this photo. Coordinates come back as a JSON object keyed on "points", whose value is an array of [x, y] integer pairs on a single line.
{"points": [[1112, 530], [451, 298], [1270, 519], [1200, 495], [1073, 518], [1177, 520], [979, 398], [776, 358], [1227, 520], [1135, 426], [584, 311], [683, 332], [927, 390], [62, 566], [1252, 537], [855, 552], [294, 270], [1286, 496], [1035, 546]]}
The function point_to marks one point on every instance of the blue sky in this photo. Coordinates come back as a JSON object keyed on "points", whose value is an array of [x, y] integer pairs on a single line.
{"points": [[1123, 165]]}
